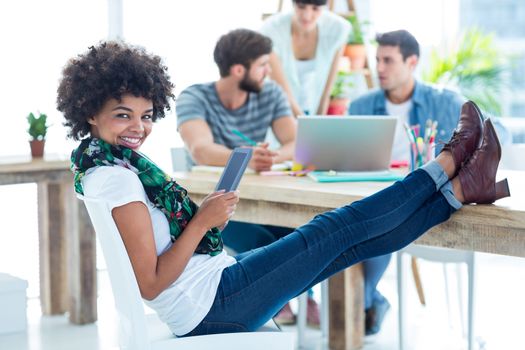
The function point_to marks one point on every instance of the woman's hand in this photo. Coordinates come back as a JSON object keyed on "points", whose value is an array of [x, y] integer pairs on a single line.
{"points": [[216, 209]]}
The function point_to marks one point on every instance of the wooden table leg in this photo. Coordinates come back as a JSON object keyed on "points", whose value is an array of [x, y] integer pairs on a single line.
{"points": [[417, 281], [347, 323], [81, 258], [67, 254], [52, 247]]}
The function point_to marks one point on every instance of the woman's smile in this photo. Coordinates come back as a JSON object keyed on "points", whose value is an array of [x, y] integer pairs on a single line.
{"points": [[127, 122]]}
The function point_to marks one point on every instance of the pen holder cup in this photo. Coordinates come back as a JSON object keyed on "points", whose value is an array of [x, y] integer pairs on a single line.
{"points": [[421, 154]]}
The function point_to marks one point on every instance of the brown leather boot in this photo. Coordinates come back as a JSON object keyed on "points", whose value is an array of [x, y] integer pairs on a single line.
{"points": [[467, 136], [478, 176]]}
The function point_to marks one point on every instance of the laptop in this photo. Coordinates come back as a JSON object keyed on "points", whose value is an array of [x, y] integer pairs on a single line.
{"points": [[345, 143]]}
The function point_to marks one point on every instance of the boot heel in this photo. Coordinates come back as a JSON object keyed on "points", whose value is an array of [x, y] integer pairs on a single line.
{"points": [[502, 189]]}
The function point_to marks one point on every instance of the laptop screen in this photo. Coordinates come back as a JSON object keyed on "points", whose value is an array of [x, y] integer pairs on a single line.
{"points": [[345, 143]]}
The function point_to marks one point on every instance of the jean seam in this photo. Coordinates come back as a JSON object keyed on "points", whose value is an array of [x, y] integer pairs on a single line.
{"points": [[222, 323], [347, 263]]}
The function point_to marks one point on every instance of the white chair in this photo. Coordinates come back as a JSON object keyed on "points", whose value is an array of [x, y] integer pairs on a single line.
{"points": [[512, 157], [179, 160], [445, 256], [134, 333], [302, 312]]}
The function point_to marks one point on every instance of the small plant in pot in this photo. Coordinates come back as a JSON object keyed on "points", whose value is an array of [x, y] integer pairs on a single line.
{"points": [[340, 94], [37, 133], [355, 47]]}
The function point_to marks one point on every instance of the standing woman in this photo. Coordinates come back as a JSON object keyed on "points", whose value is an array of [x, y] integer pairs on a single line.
{"points": [[307, 45]]}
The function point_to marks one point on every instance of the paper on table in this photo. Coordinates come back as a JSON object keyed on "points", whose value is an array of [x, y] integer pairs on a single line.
{"points": [[219, 169], [286, 165], [213, 169]]}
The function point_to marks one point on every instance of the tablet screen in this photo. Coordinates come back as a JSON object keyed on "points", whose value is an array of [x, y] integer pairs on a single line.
{"points": [[234, 169]]}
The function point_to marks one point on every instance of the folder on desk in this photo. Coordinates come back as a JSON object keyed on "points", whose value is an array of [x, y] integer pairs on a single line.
{"points": [[354, 176], [219, 169]]}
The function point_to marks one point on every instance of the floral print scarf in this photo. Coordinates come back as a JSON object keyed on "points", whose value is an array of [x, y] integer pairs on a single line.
{"points": [[161, 189]]}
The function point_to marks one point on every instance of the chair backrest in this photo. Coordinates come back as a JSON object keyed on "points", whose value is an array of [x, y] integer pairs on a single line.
{"points": [[180, 160], [133, 325], [437, 254], [512, 157], [133, 331]]}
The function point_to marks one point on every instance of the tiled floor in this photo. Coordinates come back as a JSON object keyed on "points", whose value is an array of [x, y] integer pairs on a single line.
{"points": [[499, 313], [500, 307]]}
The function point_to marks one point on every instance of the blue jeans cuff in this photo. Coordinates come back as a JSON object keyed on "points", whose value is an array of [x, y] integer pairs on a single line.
{"points": [[448, 193], [436, 172]]}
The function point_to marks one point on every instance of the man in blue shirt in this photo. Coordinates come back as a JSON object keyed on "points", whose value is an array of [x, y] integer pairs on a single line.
{"points": [[413, 102]]}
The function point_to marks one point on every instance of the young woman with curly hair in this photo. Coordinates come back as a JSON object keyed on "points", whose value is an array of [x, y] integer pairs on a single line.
{"points": [[111, 95]]}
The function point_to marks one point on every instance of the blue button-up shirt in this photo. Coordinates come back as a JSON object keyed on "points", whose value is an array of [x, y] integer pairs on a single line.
{"points": [[428, 102]]}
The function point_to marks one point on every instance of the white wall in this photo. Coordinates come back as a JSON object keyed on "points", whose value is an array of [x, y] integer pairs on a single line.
{"points": [[39, 36]]}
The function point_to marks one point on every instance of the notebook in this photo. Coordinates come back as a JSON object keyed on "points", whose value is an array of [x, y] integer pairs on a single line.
{"points": [[345, 143], [354, 176]]}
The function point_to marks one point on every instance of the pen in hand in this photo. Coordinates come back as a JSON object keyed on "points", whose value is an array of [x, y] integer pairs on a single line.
{"points": [[244, 137], [262, 158]]}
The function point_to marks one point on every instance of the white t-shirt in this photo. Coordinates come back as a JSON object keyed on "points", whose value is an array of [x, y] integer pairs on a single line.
{"points": [[186, 301], [401, 147], [306, 74]]}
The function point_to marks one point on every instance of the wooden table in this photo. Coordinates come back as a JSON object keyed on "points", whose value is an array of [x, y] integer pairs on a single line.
{"points": [[67, 240], [291, 202]]}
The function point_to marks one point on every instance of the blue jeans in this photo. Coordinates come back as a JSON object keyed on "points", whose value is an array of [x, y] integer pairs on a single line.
{"points": [[244, 236], [265, 279], [373, 270]]}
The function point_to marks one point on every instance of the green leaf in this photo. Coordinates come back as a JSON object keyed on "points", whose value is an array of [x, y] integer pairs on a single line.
{"points": [[476, 68], [356, 36], [343, 85], [37, 126], [151, 179]]}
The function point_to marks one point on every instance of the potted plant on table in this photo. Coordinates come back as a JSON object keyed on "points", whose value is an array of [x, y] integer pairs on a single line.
{"points": [[37, 132], [355, 47]]}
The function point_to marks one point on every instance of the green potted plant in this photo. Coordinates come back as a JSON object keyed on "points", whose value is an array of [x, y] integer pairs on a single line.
{"points": [[355, 46], [476, 68], [340, 94], [37, 134]]}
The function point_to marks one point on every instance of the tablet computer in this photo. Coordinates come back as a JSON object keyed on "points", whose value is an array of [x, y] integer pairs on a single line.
{"points": [[232, 174]]}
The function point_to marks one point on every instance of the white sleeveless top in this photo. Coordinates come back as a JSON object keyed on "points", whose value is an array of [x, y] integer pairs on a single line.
{"points": [[306, 75]]}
